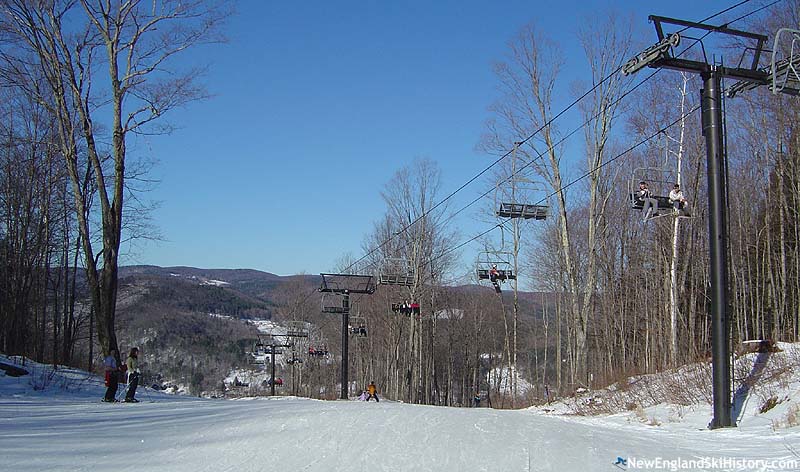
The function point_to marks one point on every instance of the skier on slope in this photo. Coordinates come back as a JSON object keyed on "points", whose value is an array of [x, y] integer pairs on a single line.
{"points": [[133, 375], [372, 391], [112, 376]]}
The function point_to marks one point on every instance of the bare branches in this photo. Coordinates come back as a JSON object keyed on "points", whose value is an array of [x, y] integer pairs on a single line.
{"points": [[63, 42]]}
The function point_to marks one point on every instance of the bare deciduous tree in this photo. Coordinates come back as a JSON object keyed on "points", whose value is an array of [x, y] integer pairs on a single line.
{"points": [[68, 43]]}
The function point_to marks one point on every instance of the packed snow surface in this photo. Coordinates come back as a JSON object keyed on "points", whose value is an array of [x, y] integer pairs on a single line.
{"points": [[57, 423]]}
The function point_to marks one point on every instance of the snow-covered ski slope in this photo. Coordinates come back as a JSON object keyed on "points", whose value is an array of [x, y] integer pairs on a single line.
{"points": [[66, 428]]}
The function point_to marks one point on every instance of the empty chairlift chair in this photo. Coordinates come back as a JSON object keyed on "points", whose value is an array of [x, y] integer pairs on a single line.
{"points": [[525, 211], [396, 271], [297, 329]]}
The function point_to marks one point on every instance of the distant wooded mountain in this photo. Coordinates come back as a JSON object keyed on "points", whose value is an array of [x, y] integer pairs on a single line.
{"points": [[247, 281], [192, 324]]}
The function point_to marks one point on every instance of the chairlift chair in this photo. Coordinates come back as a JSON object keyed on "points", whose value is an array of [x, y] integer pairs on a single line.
{"points": [[297, 329], [294, 360], [489, 259], [396, 271], [406, 308], [258, 355], [502, 274], [320, 351], [525, 211], [328, 306], [358, 326], [513, 209], [273, 350], [258, 359], [347, 283], [783, 73], [659, 182]]}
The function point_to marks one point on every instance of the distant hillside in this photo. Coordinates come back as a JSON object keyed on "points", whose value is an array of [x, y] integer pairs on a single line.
{"points": [[192, 324], [193, 295], [251, 282]]}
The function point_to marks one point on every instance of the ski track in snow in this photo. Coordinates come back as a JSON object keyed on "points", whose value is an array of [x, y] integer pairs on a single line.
{"points": [[294, 434]]}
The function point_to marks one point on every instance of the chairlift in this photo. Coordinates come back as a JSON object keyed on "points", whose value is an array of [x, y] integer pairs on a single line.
{"points": [[327, 303], [258, 359], [659, 181], [258, 355], [525, 211], [358, 326], [508, 207], [406, 308], [294, 360], [396, 271], [270, 350], [785, 72], [319, 351], [495, 265], [260, 347], [297, 329]]}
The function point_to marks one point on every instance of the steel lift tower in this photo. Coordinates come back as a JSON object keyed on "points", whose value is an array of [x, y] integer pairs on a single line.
{"points": [[780, 76], [345, 284]]}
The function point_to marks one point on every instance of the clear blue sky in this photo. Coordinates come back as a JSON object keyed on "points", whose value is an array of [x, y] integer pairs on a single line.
{"points": [[317, 104]]}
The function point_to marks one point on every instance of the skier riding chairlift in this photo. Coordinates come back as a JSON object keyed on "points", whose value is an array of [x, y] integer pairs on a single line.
{"points": [[679, 202], [494, 277], [359, 329]]}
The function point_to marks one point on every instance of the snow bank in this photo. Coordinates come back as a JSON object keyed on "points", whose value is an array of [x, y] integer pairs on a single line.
{"points": [[767, 390]]}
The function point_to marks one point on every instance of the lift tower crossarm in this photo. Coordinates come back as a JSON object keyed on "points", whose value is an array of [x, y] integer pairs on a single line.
{"points": [[750, 74], [657, 20]]}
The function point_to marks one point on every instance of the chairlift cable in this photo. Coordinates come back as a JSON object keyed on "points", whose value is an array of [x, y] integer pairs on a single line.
{"points": [[662, 130], [747, 14], [473, 179], [549, 122], [573, 182]]}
